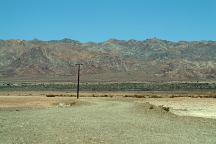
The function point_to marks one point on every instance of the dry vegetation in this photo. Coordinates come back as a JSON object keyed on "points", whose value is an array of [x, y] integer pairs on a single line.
{"points": [[50, 98], [33, 101]]}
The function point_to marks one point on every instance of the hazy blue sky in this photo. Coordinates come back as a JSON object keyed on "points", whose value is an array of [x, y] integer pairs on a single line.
{"points": [[99, 20]]}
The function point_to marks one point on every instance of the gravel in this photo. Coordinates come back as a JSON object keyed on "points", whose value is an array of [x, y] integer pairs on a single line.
{"points": [[103, 120]]}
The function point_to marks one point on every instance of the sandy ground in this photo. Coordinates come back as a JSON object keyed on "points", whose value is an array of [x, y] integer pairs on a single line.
{"points": [[184, 103], [99, 120], [32, 101], [204, 107]]}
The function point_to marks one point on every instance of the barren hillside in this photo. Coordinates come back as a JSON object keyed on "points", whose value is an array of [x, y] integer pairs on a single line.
{"points": [[112, 60]]}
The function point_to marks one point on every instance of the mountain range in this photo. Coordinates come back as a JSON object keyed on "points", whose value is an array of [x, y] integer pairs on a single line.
{"points": [[111, 61]]}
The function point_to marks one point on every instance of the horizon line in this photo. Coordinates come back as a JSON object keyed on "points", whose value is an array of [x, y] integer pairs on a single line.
{"points": [[110, 39]]}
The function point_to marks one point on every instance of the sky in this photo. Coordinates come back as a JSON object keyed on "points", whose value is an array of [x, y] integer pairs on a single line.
{"points": [[100, 20]]}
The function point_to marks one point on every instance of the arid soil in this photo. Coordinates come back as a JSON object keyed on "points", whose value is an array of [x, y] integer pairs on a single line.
{"points": [[32, 101], [198, 107], [60, 120]]}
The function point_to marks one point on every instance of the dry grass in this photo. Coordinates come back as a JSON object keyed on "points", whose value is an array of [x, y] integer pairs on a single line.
{"points": [[60, 95], [47, 99], [135, 96], [147, 94], [141, 94], [32, 101]]}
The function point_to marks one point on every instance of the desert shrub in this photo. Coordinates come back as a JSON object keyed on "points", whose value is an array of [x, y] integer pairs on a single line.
{"points": [[151, 107], [139, 96], [105, 95], [71, 95], [172, 96], [127, 96], [155, 96], [148, 86], [135, 96], [51, 95], [167, 109]]}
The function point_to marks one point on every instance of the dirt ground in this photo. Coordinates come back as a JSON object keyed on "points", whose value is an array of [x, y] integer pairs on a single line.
{"points": [[197, 107], [34, 118], [33, 101]]}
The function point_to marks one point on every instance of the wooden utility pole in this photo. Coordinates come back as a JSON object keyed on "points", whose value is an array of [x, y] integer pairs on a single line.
{"points": [[78, 79]]}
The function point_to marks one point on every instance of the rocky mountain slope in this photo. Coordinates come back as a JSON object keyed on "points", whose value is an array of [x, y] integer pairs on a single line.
{"points": [[112, 60]]}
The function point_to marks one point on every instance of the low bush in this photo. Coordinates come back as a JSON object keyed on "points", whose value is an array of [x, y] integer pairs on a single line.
{"points": [[51, 95]]}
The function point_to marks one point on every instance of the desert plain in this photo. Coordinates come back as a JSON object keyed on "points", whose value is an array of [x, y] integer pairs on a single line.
{"points": [[47, 117]]}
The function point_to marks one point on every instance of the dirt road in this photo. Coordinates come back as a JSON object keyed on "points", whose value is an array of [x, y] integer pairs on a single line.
{"points": [[103, 120]]}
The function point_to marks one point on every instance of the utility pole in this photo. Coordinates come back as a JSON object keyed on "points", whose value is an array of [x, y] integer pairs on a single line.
{"points": [[78, 79]]}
